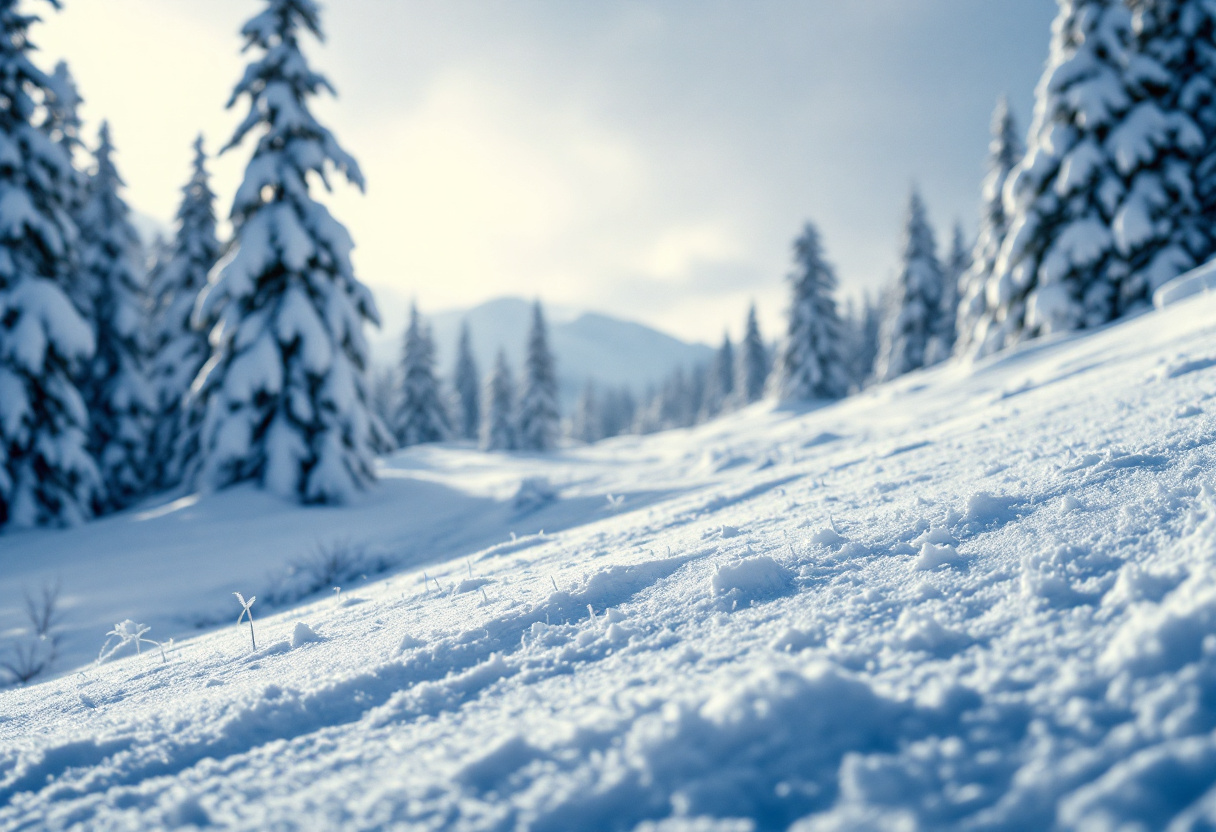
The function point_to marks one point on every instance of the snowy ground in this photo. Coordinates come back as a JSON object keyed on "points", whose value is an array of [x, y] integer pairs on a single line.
{"points": [[980, 597]]}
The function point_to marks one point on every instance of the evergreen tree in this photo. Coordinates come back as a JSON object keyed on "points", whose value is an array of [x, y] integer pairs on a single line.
{"points": [[912, 319], [618, 409], [63, 109], [284, 393], [811, 362], [751, 363], [587, 423], [941, 345], [675, 401], [115, 386], [498, 432], [1164, 224], [179, 349], [1059, 267], [383, 393], [466, 381], [539, 422], [720, 384], [46, 473], [864, 323], [698, 389], [1004, 153], [64, 125], [420, 415]]}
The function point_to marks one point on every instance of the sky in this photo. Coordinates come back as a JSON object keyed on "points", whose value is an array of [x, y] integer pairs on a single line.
{"points": [[650, 159]]}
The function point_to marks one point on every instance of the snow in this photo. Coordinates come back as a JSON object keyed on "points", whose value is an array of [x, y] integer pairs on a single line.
{"points": [[980, 596], [1196, 281]]}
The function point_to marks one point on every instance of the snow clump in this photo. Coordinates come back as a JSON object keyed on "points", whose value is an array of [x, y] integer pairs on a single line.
{"points": [[751, 579]]}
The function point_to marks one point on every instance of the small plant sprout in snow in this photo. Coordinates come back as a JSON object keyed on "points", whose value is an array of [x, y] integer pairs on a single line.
{"points": [[246, 610], [128, 632]]}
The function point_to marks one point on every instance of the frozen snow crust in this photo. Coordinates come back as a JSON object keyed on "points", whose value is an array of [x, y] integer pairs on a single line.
{"points": [[981, 597]]}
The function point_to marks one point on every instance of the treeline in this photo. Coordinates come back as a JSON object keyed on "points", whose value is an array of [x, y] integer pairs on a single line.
{"points": [[498, 413], [222, 362], [245, 361], [1111, 195]]}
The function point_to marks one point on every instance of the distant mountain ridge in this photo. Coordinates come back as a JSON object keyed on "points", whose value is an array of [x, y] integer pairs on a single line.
{"points": [[587, 345]]}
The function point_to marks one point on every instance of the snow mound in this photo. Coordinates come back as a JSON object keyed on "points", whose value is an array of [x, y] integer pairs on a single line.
{"points": [[1195, 282], [303, 634], [751, 579], [829, 538], [767, 747], [933, 556], [982, 511], [470, 585]]}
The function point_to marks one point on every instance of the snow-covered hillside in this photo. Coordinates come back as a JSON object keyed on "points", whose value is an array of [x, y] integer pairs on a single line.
{"points": [[588, 345], [977, 597]]}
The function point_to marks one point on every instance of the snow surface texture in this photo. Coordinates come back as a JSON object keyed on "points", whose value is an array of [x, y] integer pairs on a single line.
{"points": [[979, 597]]}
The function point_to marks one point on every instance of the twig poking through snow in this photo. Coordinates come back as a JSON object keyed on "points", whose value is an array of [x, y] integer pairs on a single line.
{"points": [[555, 589], [247, 611]]}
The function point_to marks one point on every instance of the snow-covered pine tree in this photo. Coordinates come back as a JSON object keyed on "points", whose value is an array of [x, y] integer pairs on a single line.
{"points": [[720, 384], [284, 392], [676, 401], [698, 387], [941, 345], [912, 319], [586, 423], [64, 125], [466, 383], [618, 408], [498, 424], [63, 109], [539, 421], [811, 361], [420, 415], [115, 385], [46, 473], [179, 348], [1163, 227], [383, 392], [864, 322], [751, 362], [1004, 153], [1059, 268]]}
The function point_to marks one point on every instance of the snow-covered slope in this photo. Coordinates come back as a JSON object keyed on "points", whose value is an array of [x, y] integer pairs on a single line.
{"points": [[977, 598], [587, 345]]}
